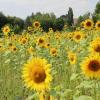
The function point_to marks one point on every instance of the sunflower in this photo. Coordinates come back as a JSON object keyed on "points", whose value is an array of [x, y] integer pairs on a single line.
{"points": [[88, 24], [10, 45], [72, 57], [36, 24], [82, 24], [47, 45], [91, 66], [97, 26], [13, 48], [23, 40], [95, 46], [42, 97], [36, 74], [6, 30], [29, 28], [78, 36], [1, 48], [41, 41], [31, 50], [50, 30], [53, 51]]}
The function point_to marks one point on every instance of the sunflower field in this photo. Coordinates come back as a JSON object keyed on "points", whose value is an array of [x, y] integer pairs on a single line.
{"points": [[60, 65]]}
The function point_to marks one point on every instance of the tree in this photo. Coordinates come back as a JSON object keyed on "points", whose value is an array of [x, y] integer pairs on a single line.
{"points": [[3, 20], [97, 9], [96, 14], [70, 20]]}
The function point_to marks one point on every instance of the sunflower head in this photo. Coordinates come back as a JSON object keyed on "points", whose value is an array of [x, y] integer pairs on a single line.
{"points": [[41, 41], [36, 24], [53, 51], [36, 74], [82, 24], [50, 30], [97, 26], [78, 36], [95, 46], [29, 28], [14, 48], [91, 66], [72, 57], [24, 40], [10, 45], [6, 30], [88, 24], [47, 45], [31, 50]]}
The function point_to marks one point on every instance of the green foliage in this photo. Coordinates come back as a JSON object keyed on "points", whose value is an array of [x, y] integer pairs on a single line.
{"points": [[96, 14], [97, 10], [3, 20], [47, 21], [70, 20], [83, 18]]}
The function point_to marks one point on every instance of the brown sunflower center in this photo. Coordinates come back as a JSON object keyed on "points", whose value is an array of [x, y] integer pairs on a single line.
{"points": [[78, 37], [24, 41], [48, 44], [88, 24], [6, 30], [99, 25], [53, 51], [41, 40], [14, 49], [72, 58], [36, 24], [39, 75], [10, 44], [97, 49], [94, 65]]}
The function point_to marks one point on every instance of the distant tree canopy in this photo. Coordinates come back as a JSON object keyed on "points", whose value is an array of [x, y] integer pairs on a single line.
{"points": [[84, 17], [96, 14], [47, 21], [70, 20], [16, 23]]}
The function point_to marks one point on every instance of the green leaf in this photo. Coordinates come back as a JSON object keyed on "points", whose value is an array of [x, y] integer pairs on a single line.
{"points": [[73, 77], [83, 97]]}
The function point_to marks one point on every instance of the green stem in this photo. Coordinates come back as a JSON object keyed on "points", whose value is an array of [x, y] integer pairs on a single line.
{"points": [[95, 92]]}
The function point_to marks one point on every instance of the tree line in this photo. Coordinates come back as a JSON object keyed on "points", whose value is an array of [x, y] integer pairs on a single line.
{"points": [[47, 20]]}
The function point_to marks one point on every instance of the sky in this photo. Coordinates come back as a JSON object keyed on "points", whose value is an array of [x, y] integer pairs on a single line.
{"points": [[24, 8]]}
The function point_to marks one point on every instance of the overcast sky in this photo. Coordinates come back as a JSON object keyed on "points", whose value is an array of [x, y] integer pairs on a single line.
{"points": [[23, 8]]}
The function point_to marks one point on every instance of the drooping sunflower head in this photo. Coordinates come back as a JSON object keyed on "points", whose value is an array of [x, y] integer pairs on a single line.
{"points": [[31, 50], [82, 24], [91, 66], [95, 46], [50, 30], [97, 26], [72, 57], [88, 24], [53, 51], [43, 97], [6, 30], [77, 36], [36, 74], [36, 24]]}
